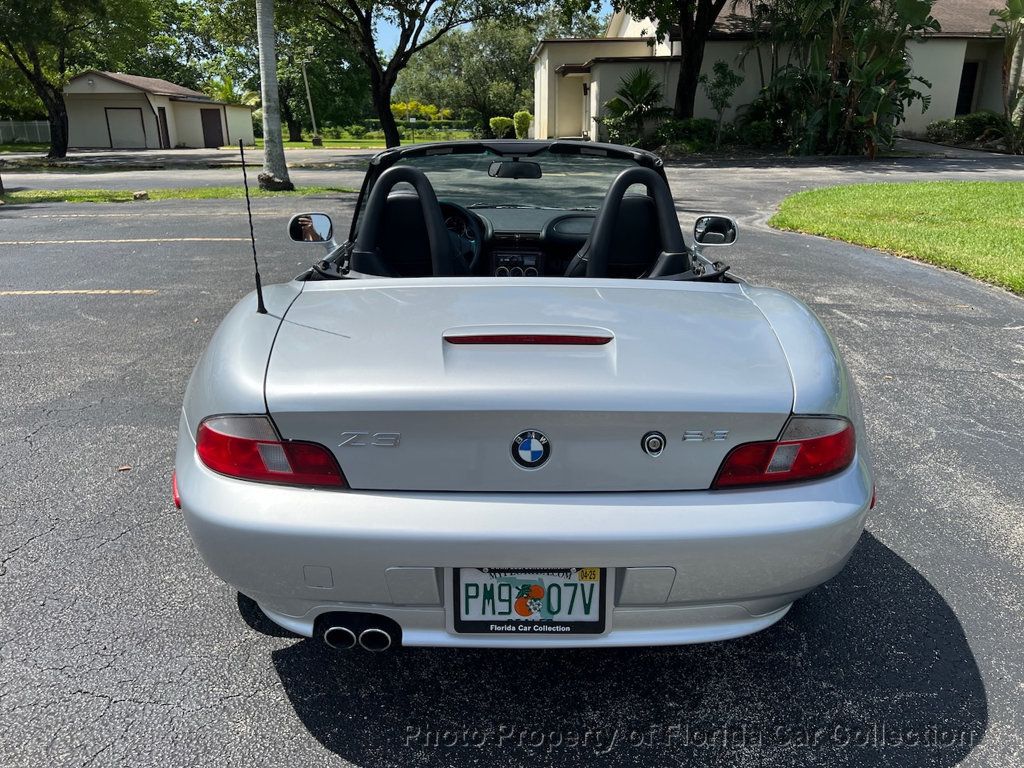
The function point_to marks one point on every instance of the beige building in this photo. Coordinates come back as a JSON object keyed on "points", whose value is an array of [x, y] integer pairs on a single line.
{"points": [[110, 110], [573, 78]]}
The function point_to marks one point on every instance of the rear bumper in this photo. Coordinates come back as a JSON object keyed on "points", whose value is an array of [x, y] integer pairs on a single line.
{"points": [[739, 557]]}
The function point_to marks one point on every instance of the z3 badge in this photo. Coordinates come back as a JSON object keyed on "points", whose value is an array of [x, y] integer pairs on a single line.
{"points": [[363, 439]]}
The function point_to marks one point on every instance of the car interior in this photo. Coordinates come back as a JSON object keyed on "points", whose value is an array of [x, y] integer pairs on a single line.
{"points": [[404, 230]]}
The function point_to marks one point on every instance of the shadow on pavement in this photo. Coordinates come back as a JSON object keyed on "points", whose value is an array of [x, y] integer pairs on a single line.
{"points": [[871, 669]]}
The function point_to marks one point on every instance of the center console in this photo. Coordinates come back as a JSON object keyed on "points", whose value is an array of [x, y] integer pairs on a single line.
{"points": [[516, 255]]}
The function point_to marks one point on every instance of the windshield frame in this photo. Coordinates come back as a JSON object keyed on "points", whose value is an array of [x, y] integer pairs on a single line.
{"points": [[501, 147]]}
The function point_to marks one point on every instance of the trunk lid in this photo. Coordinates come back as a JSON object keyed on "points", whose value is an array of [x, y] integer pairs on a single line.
{"points": [[363, 367]]}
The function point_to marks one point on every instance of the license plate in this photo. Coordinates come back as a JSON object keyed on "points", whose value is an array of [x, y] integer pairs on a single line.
{"points": [[530, 601]]}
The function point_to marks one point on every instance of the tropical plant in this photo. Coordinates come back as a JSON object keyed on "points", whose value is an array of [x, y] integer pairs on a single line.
{"points": [[849, 80], [501, 127], [222, 87], [637, 102], [720, 91], [522, 120], [1010, 25]]}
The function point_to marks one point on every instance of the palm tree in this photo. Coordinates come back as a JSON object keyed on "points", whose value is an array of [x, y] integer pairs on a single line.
{"points": [[638, 99], [275, 169]]}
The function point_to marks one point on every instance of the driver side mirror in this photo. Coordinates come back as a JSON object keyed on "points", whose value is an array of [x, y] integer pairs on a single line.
{"points": [[311, 228], [714, 230]]}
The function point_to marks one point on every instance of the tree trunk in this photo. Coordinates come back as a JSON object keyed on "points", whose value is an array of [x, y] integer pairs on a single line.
{"points": [[291, 121], [275, 168], [689, 76], [694, 26], [57, 115], [380, 93], [1015, 84]]}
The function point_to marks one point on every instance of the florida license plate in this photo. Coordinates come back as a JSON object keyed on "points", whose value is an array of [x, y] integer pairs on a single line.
{"points": [[530, 601]]}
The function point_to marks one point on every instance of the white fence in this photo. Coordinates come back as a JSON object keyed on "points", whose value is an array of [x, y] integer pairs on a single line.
{"points": [[28, 131]]}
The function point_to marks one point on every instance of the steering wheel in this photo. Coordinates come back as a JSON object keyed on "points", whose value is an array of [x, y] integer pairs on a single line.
{"points": [[468, 231]]}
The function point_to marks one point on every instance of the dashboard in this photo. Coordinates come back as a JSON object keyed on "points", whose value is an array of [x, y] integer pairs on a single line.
{"points": [[519, 242]]}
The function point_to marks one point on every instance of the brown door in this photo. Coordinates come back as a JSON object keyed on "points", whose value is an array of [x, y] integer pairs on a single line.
{"points": [[165, 139], [213, 135]]}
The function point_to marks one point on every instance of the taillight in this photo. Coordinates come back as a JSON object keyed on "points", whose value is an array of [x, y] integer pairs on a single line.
{"points": [[248, 447], [174, 489], [810, 447]]}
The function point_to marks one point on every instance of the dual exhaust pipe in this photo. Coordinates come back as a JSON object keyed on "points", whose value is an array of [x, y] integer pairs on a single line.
{"points": [[372, 633]]}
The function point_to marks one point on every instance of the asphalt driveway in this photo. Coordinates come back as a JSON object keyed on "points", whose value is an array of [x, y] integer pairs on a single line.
{"points": [[118, 647]]}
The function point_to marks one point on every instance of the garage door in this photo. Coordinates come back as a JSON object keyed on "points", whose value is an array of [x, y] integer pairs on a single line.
{"points": [[126, 128]]}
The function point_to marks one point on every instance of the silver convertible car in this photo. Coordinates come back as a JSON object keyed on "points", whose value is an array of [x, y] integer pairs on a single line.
{"points": [[515, 408]]}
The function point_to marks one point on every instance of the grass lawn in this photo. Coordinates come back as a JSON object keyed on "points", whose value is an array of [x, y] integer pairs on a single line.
{"points": [[24, 148], [125, 196], [974, 227]]}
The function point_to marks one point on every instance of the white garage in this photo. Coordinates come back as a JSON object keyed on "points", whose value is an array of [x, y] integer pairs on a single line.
{"points": [[112, 110]]}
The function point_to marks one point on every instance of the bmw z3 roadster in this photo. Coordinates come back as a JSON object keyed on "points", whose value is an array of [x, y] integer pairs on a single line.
{"points": [[514, 407]]}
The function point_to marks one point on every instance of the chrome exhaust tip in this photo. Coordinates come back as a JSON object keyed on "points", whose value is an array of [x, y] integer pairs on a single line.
{"points": [[340, 638], [375, 639]]}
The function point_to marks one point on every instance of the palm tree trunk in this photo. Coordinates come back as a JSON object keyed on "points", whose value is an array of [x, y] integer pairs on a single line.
{"points": [[275, 169], [1015, 84]]}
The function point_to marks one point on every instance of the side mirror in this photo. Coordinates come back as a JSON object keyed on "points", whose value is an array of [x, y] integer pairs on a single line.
{"points": [[714, 230], [514, 169], [311, 228]]}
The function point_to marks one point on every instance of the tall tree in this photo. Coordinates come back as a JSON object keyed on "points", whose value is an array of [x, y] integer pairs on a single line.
{"points": [[275, 168], [337, 78], [46, 40], [420, 25], [693, 18], [482, 71]]}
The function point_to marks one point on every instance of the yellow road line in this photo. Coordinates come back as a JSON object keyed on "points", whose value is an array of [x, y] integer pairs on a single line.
{"points": [[85, 292], [130, 240]]}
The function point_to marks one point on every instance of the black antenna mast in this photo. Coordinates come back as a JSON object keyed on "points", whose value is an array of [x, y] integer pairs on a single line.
{"points": [[252, 235]]}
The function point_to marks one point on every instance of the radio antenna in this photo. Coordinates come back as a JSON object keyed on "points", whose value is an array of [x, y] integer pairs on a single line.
{"points": [[252, 235]]}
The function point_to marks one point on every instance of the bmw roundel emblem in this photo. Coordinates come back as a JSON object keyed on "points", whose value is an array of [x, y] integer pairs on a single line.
{"points": [[530, 449]]}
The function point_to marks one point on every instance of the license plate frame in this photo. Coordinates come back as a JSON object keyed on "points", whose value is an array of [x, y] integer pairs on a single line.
{"points": [[525, 627]]}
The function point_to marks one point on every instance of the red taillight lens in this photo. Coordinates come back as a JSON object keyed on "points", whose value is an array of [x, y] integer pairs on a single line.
{"points": [[810, 447], [248, 447], [174, 489]]}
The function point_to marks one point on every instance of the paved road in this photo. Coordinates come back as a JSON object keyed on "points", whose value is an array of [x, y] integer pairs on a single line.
{"points": [[118, 647]]}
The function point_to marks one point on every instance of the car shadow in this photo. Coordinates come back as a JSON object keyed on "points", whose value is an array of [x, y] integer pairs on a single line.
{"points": [[873, 668]]}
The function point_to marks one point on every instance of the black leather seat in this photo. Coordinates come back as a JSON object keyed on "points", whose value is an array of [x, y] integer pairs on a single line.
{"points": [[401, 233], [635, 244], [402, 240], [633, 235]]}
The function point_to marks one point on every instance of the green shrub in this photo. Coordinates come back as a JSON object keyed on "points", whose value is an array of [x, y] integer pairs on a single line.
{"points": [[758, 134], [522, 120], [690, 131], [966, 128], [977, 124], [355, 130], [501, 127]]}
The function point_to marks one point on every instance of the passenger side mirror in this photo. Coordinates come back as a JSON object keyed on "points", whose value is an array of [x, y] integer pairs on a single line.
{"points": [[714, 230], [514, 169], [311, 228]]}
